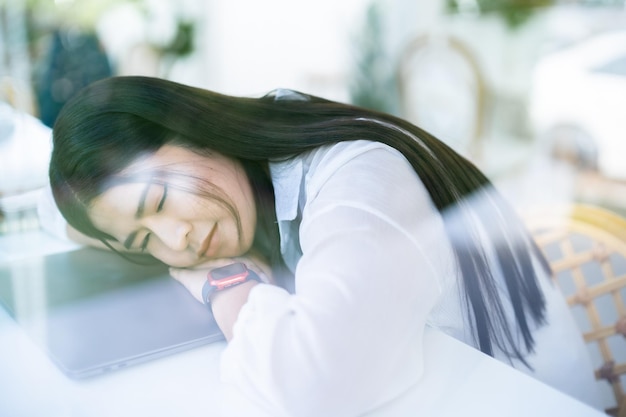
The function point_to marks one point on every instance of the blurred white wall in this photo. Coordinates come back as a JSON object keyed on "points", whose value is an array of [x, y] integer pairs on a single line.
{"points": [[251, 47]]}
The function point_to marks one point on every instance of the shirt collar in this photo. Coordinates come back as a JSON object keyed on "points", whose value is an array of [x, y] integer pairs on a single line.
{"points": [[287, 179]]}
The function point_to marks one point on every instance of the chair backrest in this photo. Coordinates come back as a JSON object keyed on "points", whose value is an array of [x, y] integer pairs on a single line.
{"points": [[586, 248], [443, 90]]}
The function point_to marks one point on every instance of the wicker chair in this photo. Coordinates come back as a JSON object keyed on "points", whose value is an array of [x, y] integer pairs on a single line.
{"points": [[586, 247]]}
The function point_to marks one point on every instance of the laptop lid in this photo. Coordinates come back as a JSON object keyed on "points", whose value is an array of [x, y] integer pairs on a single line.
{"points": [[94, 311]]}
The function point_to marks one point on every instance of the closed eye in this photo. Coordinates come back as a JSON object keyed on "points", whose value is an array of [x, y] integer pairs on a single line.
{"points": [[128, 243], [144, 242], [146, 239], [163, 197]]}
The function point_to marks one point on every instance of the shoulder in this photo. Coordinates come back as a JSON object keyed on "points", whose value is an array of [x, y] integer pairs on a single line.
{"points": [[341, 162], [351, 160], [369, 177], [336, 155], [351, 169], [357, 167]]}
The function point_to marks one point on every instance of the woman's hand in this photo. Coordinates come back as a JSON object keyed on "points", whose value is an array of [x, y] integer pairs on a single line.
{"points": [[194, 279], [226, 303]]}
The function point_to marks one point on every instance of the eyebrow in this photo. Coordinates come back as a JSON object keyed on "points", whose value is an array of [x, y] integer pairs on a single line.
{"points": [[142, 201], [128, 242]]}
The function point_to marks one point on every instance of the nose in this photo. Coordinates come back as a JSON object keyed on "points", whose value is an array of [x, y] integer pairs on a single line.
{"points": [[172, 232]]}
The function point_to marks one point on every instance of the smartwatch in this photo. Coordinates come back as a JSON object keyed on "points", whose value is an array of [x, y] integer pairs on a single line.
{"points": [[227, 276]]}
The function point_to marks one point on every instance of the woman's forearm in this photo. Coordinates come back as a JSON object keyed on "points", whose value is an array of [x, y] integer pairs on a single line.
{"points": [[226, 305]]}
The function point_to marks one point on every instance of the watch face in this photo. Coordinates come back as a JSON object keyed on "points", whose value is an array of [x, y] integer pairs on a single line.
{"points": [[232, 270]]}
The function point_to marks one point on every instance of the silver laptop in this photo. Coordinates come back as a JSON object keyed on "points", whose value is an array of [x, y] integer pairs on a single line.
{"points": [[93, 311]]}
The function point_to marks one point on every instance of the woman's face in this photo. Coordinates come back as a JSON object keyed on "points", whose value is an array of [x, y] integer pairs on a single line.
{"points": [[181, 207]]}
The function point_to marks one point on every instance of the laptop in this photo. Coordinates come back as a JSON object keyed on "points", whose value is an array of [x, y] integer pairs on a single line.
{"points": [[94, 311]]}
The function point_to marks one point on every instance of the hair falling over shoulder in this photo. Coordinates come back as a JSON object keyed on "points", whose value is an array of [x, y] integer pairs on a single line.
{"points": [[109, 123]]}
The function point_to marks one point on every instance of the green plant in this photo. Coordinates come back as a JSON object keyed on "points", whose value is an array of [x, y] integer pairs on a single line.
{"points": [[373, 83], [514, 12]]}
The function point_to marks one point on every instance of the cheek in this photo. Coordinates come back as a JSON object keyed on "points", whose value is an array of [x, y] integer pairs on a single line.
{"points": [[247, 211]]}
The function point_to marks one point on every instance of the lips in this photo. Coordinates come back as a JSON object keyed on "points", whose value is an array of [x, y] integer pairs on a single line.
{"points": [[206, 243]]}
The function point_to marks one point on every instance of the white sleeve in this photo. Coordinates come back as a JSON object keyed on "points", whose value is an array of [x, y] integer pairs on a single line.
{"points": [[50, 218], [350, 338]]}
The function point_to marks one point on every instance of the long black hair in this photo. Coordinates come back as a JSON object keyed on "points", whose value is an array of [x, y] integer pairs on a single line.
{"points": [[110, 123]]}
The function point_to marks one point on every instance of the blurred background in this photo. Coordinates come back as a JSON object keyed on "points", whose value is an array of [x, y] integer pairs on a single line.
{"points": [[531, 90]]}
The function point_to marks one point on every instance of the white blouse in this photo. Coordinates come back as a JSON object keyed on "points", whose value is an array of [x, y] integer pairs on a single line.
{"points": [[373, 267]]}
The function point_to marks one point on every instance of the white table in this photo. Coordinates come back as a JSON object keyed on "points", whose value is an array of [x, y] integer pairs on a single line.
{"points": [[458, 380]]}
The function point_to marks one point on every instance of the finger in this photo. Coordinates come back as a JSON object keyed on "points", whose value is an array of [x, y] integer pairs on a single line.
{"points": [[261, 270], [193, 280], [216, 263]]}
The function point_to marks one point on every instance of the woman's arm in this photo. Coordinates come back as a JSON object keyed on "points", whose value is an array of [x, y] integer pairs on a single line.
{"points": [[227, 303]]}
